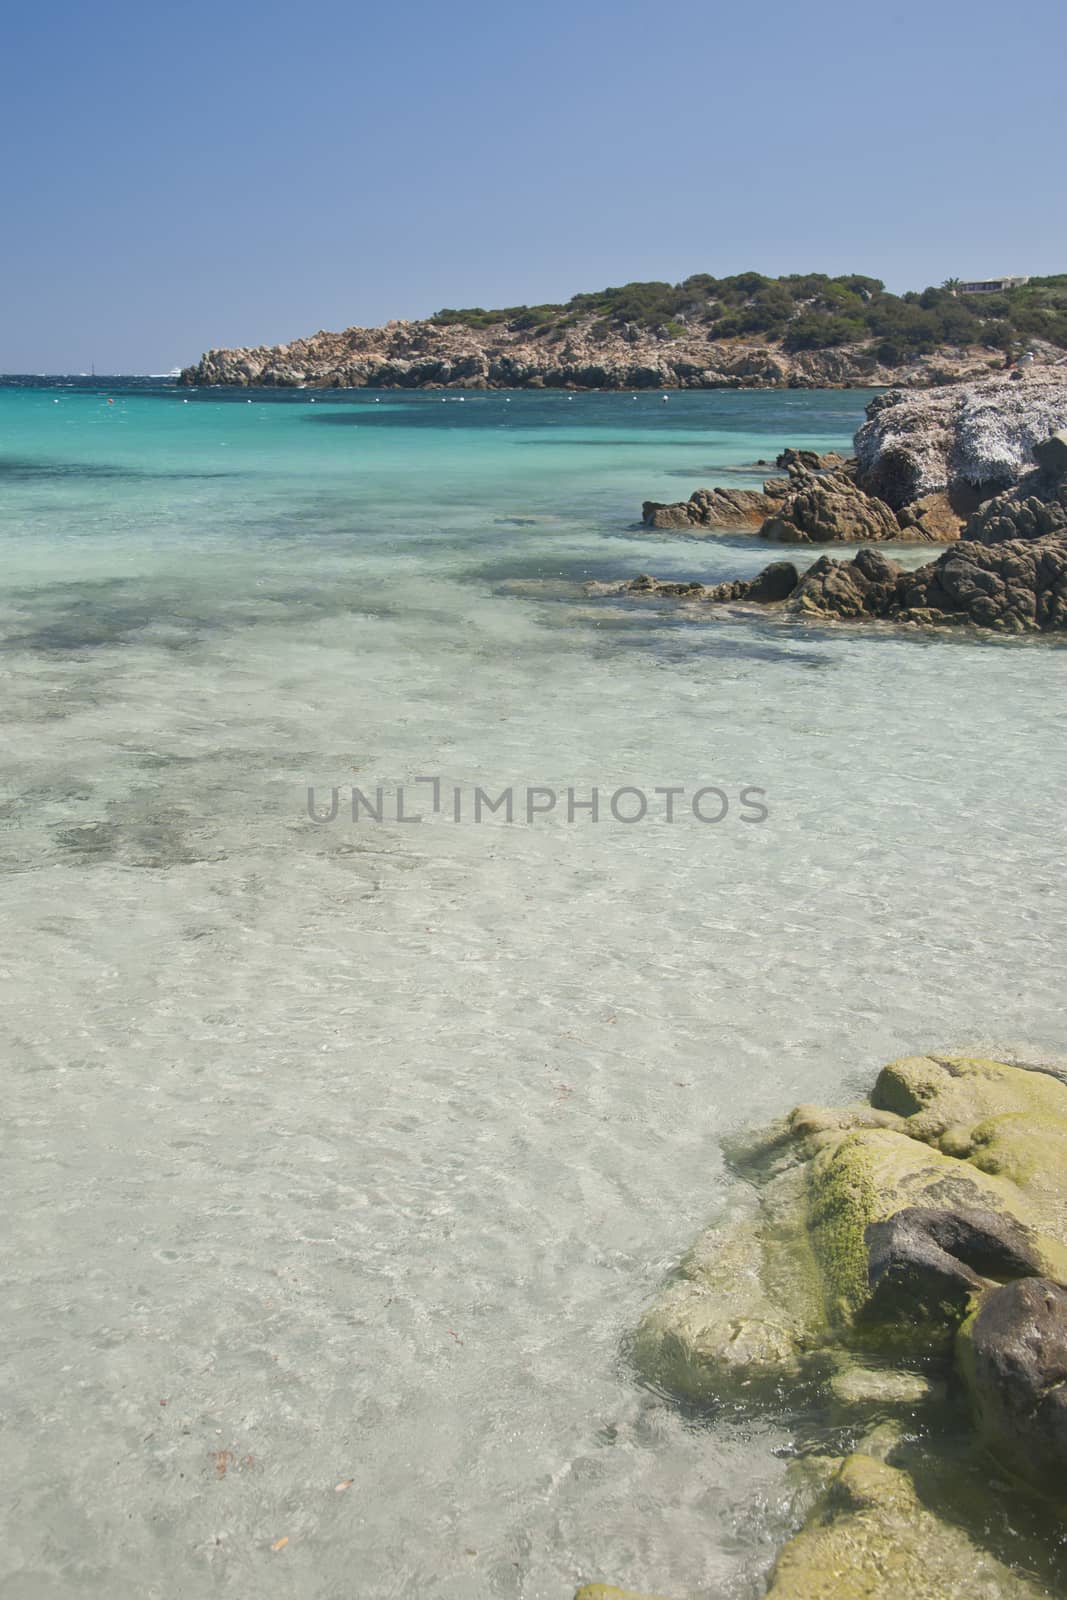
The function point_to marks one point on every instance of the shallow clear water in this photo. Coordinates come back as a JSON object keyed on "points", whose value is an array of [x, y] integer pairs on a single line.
{"points": [[349, 1154]]}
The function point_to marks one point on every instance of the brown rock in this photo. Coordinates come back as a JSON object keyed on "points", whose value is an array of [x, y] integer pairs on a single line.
{"points": [[864, 586], [712, 508], [936, 518], [827, 511]]}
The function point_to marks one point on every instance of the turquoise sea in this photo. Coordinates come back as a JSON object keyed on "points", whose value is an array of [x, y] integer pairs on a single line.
{"points": [[341, 1157]]}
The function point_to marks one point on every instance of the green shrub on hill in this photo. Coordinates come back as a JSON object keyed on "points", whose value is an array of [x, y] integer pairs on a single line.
{"points": [[806, 311]]}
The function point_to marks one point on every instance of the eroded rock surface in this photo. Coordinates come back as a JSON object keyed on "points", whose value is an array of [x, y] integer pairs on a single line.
{"points": [[830, 510], [916, 443]]}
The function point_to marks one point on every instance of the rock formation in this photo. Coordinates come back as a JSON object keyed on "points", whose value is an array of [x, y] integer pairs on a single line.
{"points": [[579, 352], [925, 462], [922, 1231], [818, 502], [716, 509], [1007, 572], [980, 435], [831, 508]]}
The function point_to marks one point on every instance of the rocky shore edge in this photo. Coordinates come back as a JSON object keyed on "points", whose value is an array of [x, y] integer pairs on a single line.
{"points": [[582, 354], [904, 1262], [982, 468]]}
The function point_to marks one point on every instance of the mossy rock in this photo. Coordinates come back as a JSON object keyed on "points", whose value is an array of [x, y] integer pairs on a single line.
{"points": [[871, 1538], [1007, 1121], [744, 1306], [868, 1176], [759, 1293], [604, 1591]]}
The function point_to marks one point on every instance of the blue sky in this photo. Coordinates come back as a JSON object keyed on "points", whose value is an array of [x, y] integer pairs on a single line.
{"points": [[190, 175]]}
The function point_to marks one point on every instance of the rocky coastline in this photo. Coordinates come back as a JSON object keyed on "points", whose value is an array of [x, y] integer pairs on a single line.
{"points": [[582, 356], [898, 1270], [981, 468]]}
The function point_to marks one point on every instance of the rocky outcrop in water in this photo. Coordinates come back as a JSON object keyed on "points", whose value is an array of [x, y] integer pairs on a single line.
{"points": [[923, 1231], [1008, 572], [828, 509], [715, 509], [1016, 587], [925, 462], [818, 502]]}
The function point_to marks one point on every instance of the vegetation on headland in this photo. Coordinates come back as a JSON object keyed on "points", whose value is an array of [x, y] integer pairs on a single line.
{"points": [[803, 311]]}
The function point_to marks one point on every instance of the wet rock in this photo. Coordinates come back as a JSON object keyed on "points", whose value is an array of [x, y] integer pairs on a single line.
{"points": [[874, 1226], [1013, 1353], [913, 1208], [744, 1305], [872, 1538], [926, 1263], [774, 583]]}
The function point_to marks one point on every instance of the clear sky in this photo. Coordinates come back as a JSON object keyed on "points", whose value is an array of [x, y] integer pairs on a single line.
{"points": [[221, 172]]}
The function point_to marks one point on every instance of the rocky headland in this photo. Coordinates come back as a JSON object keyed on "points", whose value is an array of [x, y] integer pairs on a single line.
{"points": [[424, 355], [896, 1271], [746, 331], [982, 468]]}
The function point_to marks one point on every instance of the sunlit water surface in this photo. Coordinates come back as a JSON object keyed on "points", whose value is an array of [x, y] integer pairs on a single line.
{"points": [[341, 1159]]}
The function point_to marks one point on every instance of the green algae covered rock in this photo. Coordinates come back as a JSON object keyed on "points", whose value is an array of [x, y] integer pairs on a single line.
{"points": [[604, 1591], [745, 1304], [976, 1148], [879, 1243], [869, 1176], [871, 1538]]}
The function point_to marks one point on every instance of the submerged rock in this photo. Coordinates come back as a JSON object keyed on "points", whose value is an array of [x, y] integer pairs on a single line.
{"points": [[605, 1591], [774, 583], [744, 1306], [856, 1386], [872, 1538]]}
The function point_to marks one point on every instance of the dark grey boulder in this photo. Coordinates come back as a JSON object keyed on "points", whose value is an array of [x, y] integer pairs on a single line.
{"points": [[1013, 1355], [929, 1262], [1051, 454]]}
